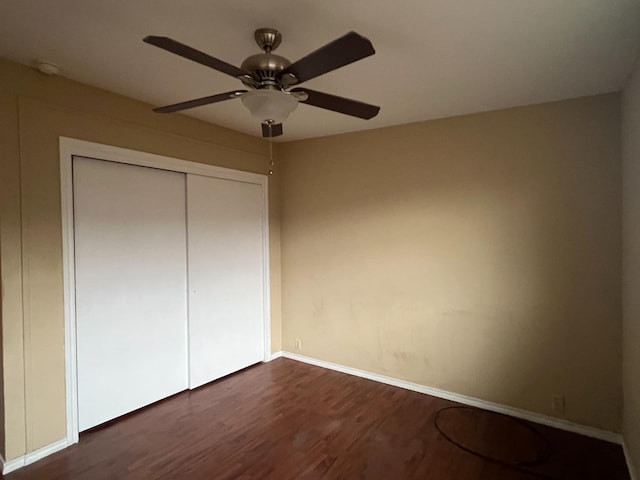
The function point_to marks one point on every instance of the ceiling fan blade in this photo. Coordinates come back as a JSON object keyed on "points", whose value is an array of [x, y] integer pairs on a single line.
{"points": [[270, 131], [198, 102], [343, 51], [338, 104], [189, 53]]}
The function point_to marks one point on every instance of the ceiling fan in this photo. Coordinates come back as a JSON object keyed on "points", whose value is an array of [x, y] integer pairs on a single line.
{"points": [[270, 78]]}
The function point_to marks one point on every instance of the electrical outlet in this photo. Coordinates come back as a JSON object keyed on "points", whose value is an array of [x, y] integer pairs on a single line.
{"points": [[557, 402], [298, 344]]}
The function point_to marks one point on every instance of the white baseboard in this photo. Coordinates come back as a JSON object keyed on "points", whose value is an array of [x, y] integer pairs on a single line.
{"points": [[275, 355], [632, 470], [34, 456], [475, 402], [11, 465], [45, 451]]}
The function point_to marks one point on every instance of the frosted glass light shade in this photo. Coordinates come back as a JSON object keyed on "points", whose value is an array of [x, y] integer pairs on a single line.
{"points": [[272, 105]]}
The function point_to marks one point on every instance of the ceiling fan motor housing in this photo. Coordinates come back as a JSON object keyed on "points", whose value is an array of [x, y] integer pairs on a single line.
{"points": [[264, 67]]}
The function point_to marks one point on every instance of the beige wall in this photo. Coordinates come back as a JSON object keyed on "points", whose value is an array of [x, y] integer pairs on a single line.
{"points": [[34, 111], [477, 254], [631, 266]]}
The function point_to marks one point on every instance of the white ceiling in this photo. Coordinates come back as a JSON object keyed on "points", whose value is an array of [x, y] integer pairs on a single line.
{"points": [[435, 58]]}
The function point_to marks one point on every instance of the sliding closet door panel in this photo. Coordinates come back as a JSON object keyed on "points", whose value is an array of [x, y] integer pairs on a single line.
{"points": [[131, 287], [225, 235]]}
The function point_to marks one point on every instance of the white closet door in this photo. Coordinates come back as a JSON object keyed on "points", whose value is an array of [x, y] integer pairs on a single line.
{"points": [[225, 235], [131, 287]]}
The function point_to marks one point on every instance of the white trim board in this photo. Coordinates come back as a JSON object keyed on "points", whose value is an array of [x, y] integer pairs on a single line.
{"points": [[12, 465], [455, 397], [630, 466], [276, 355], [70, 147], [99, 151], [29, 458]]}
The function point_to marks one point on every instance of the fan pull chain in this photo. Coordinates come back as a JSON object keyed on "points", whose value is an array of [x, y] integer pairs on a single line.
{"points": [[271, 163]]}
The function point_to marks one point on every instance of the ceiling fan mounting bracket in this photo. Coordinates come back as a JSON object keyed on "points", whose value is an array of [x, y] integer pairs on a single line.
{"points": [[268, 39]]}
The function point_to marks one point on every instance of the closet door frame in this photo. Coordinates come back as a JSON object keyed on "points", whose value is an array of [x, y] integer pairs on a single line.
{"points": [[71, 147]]}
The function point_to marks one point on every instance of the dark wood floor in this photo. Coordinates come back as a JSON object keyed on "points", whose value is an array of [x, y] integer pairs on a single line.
{"points": [[287, 420]]}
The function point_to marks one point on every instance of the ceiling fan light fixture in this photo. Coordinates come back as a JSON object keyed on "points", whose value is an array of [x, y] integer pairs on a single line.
{"points": [[268, 105]]}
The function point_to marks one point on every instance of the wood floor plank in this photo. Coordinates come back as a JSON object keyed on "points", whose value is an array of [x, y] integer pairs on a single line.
{"points": [[288, 420]]}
